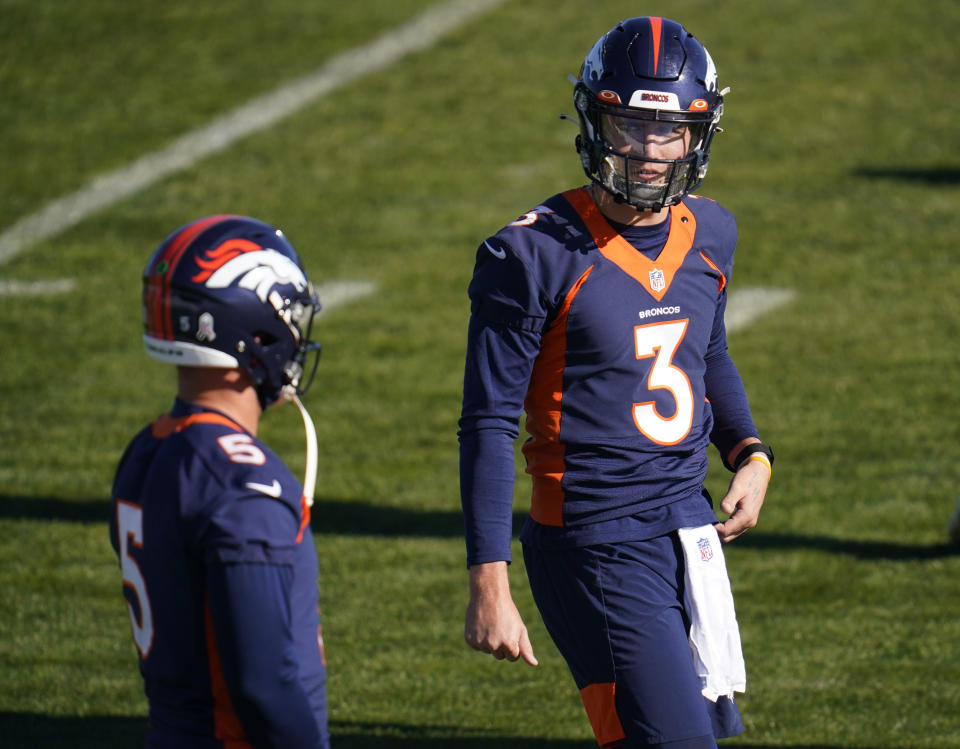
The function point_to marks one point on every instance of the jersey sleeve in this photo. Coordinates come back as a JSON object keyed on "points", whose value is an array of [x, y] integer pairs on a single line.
{"points": [[250, 618], [507, 314], [249, 504], [732, 419], [503, 290]]}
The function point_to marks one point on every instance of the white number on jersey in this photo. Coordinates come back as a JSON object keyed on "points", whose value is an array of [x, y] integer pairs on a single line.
{"points": [[241, 449], [529, 219], [130, 531], [661, 341]]}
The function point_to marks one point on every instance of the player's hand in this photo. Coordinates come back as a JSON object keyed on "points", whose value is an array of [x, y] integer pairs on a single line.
{"points": [[744, 499], [492, 623]]}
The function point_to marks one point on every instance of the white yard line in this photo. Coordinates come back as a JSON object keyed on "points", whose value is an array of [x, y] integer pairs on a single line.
{"points": [[31, 288], [335, 294], [747, 304], [258, 114]]}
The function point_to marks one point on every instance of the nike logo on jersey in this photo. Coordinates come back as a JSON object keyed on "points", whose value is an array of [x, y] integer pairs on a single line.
{"points": [[499, 254], [271, 490]]}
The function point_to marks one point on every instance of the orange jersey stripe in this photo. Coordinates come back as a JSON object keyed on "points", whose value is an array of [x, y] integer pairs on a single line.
{"points": [[723, 279], [544, 452], [683, 227], [226, 724]]}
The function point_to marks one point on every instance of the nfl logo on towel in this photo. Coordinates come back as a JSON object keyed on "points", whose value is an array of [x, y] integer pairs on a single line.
{"points": [[657, 281], [706, 552]]}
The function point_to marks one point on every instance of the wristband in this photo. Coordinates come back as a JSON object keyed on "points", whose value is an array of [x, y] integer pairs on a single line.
{"points": [[754, 448], [760, 458]]}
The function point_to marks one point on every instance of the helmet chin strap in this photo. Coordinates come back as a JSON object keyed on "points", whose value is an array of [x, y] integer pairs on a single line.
{"points": [[310, 432]]}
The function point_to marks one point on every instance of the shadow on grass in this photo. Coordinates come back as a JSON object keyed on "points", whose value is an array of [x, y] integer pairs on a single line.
{"points": [[364, 519], [35, 731], [44, 508], [352, 518], [942, 175], [330, 516], [386, 736], [351, 735]]}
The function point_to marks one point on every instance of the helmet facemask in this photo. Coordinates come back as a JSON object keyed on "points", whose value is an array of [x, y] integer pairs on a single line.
{"points": [[299, 316], [281, 382], [647, 158]]}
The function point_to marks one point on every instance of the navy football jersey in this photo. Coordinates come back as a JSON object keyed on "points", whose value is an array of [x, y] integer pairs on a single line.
{"points": [[220, 577], [617, 354]]}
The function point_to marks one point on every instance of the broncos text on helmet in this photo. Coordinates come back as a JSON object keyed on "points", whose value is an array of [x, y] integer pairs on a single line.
{"points": [[230, 291], [648, 103]]}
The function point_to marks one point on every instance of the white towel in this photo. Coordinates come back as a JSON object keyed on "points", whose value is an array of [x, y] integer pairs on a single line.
{"points": [[714, 634]]}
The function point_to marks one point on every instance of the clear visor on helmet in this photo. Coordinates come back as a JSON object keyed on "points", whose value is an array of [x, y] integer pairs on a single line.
{"points": [[657, 140], [649, 162]]}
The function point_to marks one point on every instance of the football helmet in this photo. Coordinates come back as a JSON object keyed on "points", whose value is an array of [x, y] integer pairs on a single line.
{"points": [[230, 291], [648, 103]]}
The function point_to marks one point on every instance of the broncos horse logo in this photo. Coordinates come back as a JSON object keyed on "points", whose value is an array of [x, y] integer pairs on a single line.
{"points": [[259, 269]]}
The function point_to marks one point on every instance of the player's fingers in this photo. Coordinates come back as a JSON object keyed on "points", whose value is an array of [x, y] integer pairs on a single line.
{"points": [[474, 640], [730, 529], [728, 505], [526, 649], [737, 524], [483, 644], [510, 649], [734, 500]]}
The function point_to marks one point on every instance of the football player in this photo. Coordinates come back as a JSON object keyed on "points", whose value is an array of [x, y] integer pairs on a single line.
{"points": [[600, 313], [211, 529]]}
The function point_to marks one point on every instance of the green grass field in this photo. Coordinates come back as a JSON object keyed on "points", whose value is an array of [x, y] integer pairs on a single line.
{"points": [[841, 160]]}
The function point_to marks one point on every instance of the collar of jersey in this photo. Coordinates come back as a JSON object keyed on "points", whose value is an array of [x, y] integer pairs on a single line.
{"points": [[186, 414], [683, 227]]}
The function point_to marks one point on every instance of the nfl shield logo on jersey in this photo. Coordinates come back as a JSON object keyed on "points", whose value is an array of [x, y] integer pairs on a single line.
{"points": [[706, 552], [657, 281]]}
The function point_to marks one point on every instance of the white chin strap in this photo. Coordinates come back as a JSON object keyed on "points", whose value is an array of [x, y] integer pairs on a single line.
{"points": [[310, 432]]}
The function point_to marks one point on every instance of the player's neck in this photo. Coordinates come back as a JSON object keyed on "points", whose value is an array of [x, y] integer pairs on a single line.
{"points": [[622, 213], [225, 390]]}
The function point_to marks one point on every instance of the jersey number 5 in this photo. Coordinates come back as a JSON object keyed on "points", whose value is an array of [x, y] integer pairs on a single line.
{"points": [[661, 341], [130, 531]]}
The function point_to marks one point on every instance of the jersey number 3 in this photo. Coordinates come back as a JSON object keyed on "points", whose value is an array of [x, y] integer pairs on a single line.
{"points": [[130, 531], [661, 341]]}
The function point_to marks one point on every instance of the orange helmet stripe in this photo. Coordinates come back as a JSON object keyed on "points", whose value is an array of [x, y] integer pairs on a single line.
{"points": [[164, 265], [655, 26]]}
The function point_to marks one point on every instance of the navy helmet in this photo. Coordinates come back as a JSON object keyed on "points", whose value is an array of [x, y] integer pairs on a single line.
{"points": [[647, 79], [230, 291]]}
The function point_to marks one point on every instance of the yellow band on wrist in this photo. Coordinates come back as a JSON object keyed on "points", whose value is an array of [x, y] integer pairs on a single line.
{"points": [[762, 459]]}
